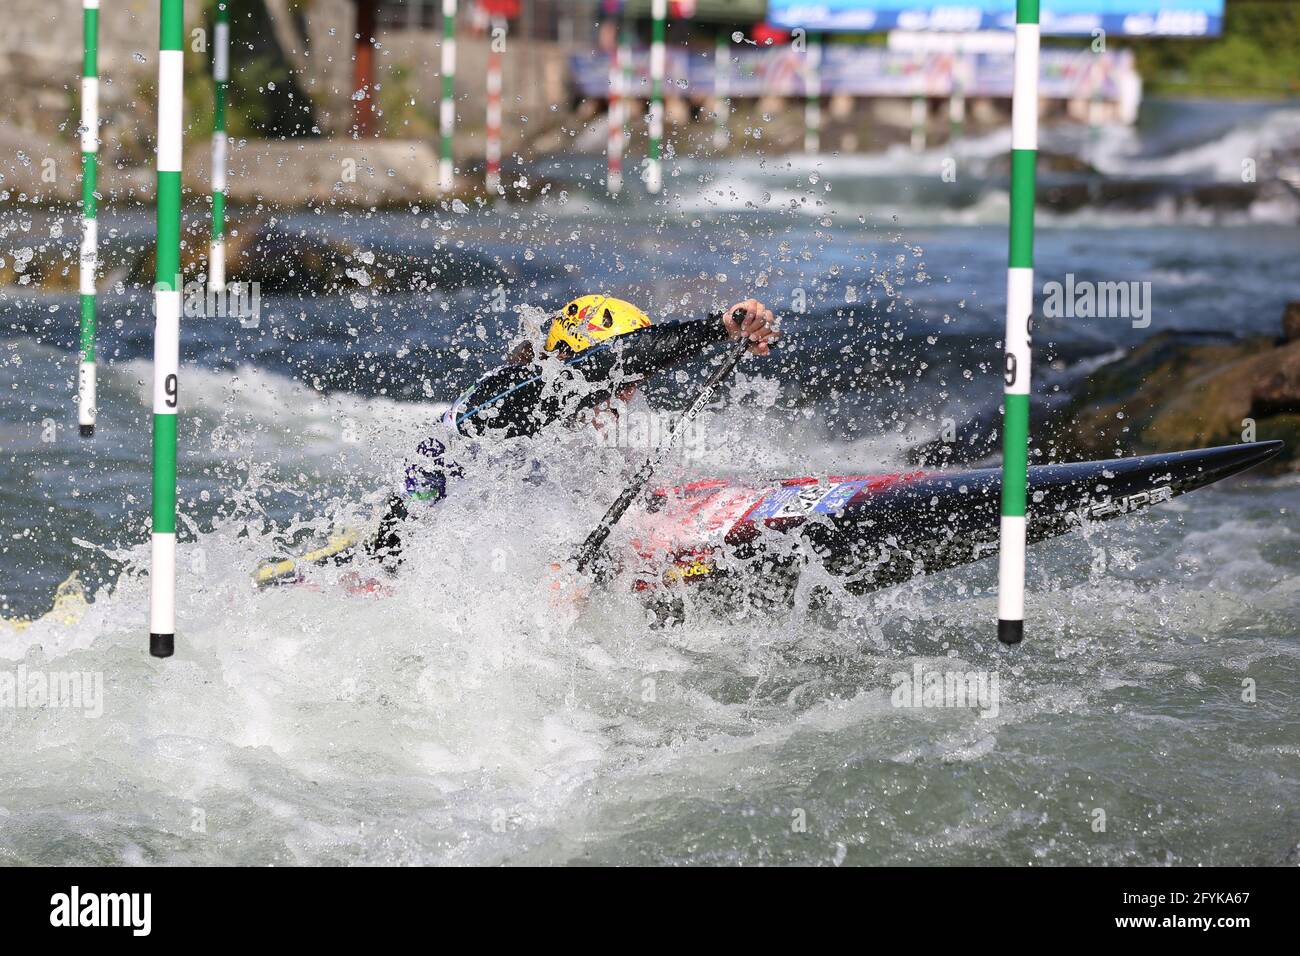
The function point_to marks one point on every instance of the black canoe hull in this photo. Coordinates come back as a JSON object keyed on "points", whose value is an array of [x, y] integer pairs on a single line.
{"points": [[877, 531]]}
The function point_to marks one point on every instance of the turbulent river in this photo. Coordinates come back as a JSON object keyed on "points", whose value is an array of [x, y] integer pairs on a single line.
{"points": [[464, 715]]}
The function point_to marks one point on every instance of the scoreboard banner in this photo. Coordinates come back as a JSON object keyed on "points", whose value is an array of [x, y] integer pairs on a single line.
{"points": [[1176, 18]]}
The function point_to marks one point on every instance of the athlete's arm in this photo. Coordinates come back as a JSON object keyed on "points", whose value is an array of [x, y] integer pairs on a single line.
{"points": [[643, 353], [518, 400]]}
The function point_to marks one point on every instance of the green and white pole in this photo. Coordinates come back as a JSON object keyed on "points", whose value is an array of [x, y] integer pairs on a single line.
{"points": [[167, 321], [1020, 307], [89, 227], [920, 116], [1096, 79], [447, 112], [221, 81], [654, 169], [957, 104], [812, 113], [721, 90]]}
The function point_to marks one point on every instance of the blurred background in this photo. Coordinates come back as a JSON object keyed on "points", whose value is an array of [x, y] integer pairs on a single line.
{"points": [[393, 228]]}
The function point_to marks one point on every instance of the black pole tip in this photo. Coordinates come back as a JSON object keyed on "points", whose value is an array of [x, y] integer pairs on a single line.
{"points": [[1011, 632], [87, 431], [162, 645]]}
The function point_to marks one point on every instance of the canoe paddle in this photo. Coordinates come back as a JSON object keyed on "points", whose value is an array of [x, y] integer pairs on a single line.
{"points": [[283, 570], [591, 547]]}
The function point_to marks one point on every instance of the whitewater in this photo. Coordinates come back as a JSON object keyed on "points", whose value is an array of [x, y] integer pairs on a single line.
{"points": [[465, 715]]}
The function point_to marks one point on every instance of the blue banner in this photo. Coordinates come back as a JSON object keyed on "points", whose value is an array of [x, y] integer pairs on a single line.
{"points": [[1185, 18], [869, 71]]}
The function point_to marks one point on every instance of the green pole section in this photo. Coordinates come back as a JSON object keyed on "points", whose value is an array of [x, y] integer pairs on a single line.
{"points": [[654, 174], [1020, 307], [89, 226], [221, 84], [447, 112], [167, 315]]}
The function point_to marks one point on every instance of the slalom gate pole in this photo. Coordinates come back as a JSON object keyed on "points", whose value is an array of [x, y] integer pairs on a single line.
{"points": [[721, 102], [447, 110], [166, 336], [493, 149], [614, 148], [625, 58], [221, 84], [812, 113], [919, 116], [1020, 307], [89, 226], [957, 104], [1096, 79], [654, 172]]}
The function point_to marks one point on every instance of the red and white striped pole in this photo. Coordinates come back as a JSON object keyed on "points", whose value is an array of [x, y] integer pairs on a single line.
{"points": [[614, 177], [721, 103], [654, 166], [496, 47]]}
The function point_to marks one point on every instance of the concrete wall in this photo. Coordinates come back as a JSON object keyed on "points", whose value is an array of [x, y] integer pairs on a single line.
{"points": [[40, 70], [40, 56], [41, 44]]}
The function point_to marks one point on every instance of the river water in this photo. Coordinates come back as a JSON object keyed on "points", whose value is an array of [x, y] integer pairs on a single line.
{"points": [[467, 716]]}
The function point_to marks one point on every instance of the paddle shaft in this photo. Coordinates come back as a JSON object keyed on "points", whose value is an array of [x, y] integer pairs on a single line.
{"points": [[591, 546]]}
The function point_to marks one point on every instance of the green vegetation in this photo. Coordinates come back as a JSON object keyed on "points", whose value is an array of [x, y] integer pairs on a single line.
{"points": [[1257, 56], [401, 112], [266, 100]]}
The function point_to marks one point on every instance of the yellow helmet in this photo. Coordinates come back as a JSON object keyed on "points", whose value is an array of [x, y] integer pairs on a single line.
{"points": [[590, 319]]}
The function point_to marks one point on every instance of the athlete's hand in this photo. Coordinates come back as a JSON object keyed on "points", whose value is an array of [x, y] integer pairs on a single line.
{"points": [[568, 591], [354, 584], [758, 325]]}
